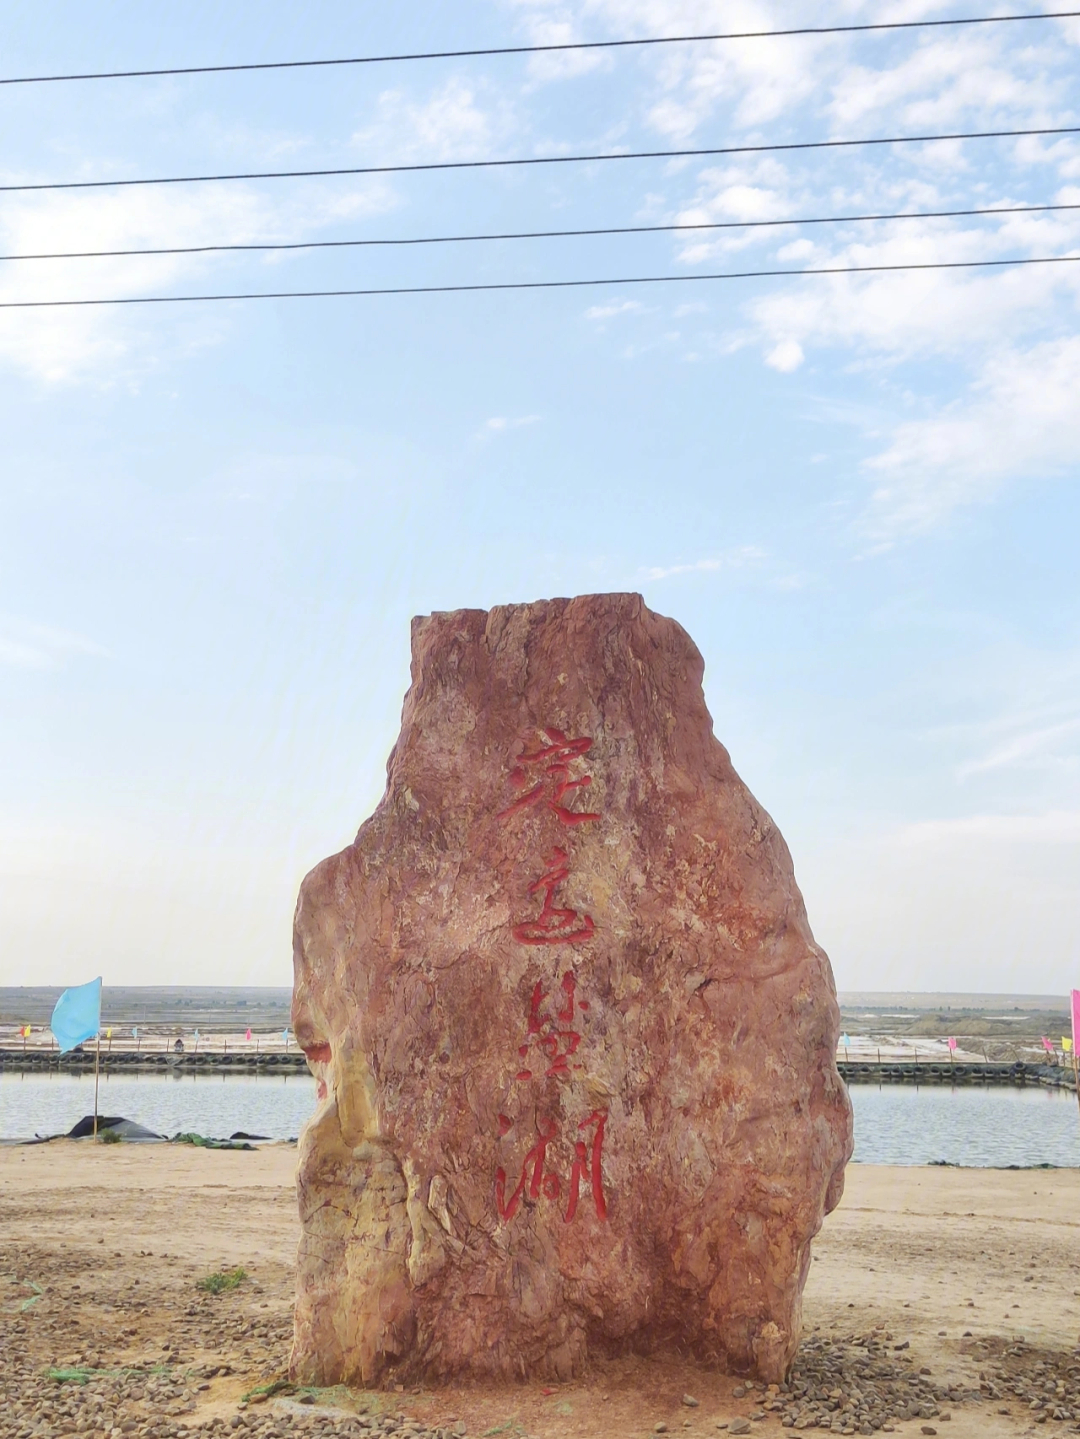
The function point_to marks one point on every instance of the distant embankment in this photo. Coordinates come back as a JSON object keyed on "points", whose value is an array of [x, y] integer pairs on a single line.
{"points": [[81, 1061], [858, 1071]]}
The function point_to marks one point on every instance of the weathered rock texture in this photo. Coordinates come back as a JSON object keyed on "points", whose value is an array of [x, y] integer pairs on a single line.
{"points": [[573, 1037]]}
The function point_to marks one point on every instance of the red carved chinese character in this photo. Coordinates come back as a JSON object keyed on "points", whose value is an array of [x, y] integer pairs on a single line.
{"points": [[586, 1165], [553, 1047], [553, 925], [557, 1044], [553, 760], [536, 1156]]}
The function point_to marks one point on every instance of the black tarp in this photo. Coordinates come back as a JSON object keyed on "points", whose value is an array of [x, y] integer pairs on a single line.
{"points": [[125, 1128]]}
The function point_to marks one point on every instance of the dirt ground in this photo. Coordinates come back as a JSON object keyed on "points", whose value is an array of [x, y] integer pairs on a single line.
{"points": [[101, 1248]]}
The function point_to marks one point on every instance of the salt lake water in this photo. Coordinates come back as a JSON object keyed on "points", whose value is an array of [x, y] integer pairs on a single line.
{"points": [[894, 1124], [217, 1105], [989, 1127]]}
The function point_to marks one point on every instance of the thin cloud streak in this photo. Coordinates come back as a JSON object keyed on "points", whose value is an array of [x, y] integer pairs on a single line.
{"points": [[25, 645], [733, 559]]}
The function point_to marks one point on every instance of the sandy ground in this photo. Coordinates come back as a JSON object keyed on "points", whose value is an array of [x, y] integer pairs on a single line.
{"points": [[100, 1248]]}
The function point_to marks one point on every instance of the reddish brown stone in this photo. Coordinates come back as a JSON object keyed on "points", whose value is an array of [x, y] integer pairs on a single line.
{"points": [[573, 1037]]}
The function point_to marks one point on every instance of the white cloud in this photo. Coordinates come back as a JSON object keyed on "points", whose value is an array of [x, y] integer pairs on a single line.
{"points": [[732, 559], [936, 78], [449, 124], [542, 27], [1021, 418], [499, 424], [785, 357], [757, 81], [1015, 415], [102, 346], [945, 78], [616, 307], [25, 645], [901, 316], [797, 250], [990, 421]]}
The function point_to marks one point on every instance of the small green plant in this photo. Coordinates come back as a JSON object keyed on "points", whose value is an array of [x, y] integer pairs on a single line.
{"points": [[77, 1375], [110, 1136], [221, 1281], [29, 1303], [82, 1373], [267, 1391]]}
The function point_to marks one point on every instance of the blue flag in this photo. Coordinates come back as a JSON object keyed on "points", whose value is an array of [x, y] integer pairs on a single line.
{"points": [[77, 1015]]}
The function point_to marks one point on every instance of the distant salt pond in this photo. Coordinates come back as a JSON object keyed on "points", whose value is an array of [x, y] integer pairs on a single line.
{"points": [[896, 1124]]}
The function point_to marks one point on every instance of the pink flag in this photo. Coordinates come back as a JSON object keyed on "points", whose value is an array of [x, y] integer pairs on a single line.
{"points": [[1076, 1017], [952, 1043], [248, 1035], [1047, 1045]]}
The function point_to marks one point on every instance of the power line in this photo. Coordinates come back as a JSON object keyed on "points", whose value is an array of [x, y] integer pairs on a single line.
{"points": [[541, 284], [540, 160], [542, 234], [544, 49]]}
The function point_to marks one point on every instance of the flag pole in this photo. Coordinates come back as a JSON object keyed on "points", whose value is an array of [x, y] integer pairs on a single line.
{"points": [[97, 1066]]}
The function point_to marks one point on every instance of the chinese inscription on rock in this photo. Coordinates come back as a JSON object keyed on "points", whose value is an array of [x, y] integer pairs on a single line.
{"points": [[544, 779]]}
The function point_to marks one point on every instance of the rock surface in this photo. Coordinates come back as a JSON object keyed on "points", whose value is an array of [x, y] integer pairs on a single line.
{"points": [[573, 1038]]}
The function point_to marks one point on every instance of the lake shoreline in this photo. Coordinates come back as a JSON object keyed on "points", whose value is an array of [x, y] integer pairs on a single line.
{"points": [[972, 1126]]}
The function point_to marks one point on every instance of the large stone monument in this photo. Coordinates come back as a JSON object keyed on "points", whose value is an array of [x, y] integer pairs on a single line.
{"points": [[574, 1041]]}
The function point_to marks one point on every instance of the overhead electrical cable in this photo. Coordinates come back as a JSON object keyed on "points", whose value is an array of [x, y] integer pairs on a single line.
{"points": [[542, 284], [429, 165], [561, 47], [269, 245]]}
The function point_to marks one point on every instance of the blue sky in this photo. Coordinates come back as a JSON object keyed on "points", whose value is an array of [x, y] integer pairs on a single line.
{"points": [[859, 495]]}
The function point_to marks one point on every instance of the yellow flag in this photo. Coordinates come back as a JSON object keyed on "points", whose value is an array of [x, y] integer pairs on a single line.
{"points": [[1066, 1044], [108, 1034]]}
